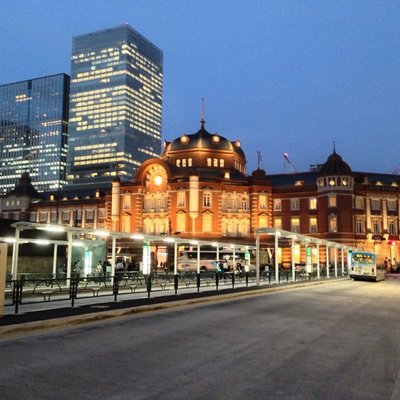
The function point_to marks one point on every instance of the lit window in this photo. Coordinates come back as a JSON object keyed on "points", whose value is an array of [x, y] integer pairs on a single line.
{"points": [[376, 226], [181, 222], [262, 201], [181, 198], [262, 221], [313, 225], [392, 227], [215, 162], [278, 223], [207, 222], [126, 223], [190, 164], [360, 225], [184, 162], [312, 203], [333, 223], [178, 163], [221, 162], [295, 225], [126, 202], [332, 200], [207, 199], [209, 162]]}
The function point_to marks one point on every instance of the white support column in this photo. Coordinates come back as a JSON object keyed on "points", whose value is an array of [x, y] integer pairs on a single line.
{"points": [[342, 260], [175, 258], [327, 261], [234, 258], [318, 265], [198, 258], [69, 258], [14, 261], [113, 257], [276, 259], [257, 259], [293, 263], [335, 261], [218, 255], [55, 260]]}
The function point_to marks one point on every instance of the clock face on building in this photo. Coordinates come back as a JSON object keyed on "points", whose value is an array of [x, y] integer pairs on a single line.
{"points": [[156, 176], [158, 180]]}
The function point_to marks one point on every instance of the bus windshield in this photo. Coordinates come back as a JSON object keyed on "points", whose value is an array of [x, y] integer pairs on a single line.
{"points": [[362, 258]]}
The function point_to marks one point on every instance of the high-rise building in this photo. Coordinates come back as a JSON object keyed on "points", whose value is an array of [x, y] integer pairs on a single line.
{"points": [[115, 106], [34, 132]]}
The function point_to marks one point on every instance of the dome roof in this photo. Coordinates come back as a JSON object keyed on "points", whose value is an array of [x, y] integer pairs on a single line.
{"points": [[204, 140], [335, 165]]}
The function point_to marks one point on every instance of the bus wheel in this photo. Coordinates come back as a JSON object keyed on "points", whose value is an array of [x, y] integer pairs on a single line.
{"points": [[203, 268]]}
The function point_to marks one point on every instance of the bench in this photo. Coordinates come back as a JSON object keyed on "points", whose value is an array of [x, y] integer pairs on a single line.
{"points": [[47, 294], [95, 290], [138, 284]]}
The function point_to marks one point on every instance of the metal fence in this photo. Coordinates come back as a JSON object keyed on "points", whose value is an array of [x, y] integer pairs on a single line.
{"points": [[31, 289]]}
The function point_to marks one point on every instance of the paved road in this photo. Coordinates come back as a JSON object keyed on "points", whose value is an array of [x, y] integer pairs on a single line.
{"points": [[334, 341]]}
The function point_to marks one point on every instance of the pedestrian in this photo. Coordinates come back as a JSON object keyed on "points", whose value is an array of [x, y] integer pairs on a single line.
{"points": [[99, 268]]}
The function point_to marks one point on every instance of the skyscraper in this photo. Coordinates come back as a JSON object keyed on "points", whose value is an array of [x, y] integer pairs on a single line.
{"points": [[34, 132], [115, 106]]}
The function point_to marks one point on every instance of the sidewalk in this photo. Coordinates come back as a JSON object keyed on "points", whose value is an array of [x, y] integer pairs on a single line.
{"points": [[43, 316]]}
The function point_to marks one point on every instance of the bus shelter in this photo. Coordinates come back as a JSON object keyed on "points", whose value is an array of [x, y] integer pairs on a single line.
{"points": [[88, 238], [308, 242]]}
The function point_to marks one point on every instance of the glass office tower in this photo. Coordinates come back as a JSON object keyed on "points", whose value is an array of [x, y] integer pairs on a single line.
{"points": [[34, 132], [115, 106]]}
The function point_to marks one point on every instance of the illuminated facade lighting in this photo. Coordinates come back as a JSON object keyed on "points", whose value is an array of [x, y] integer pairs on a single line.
{"points": [[34, 132], [115, 106]]}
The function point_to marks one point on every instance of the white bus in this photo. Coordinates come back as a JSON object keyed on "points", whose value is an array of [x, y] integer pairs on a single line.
{"points": [[363, 266]]}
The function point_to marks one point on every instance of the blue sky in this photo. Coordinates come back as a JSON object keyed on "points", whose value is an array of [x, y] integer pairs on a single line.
{"points": [[281, 76]]}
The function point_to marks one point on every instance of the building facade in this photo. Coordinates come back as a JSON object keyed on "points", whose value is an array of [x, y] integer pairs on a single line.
{"points": [[115, 106], [34, 132], [199, 188]]}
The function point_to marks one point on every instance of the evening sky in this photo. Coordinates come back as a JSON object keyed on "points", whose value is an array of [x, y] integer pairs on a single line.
{"points": [[282, 76]]}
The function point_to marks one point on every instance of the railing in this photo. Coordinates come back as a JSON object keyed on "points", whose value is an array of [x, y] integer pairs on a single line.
{"points": [[32, 289]]}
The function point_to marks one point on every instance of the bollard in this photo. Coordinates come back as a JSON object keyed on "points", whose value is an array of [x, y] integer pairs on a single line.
{"points": [[73, 290], [148, 284], [198, 283], [116, 287], [17, 294], [247, 279], [176, 283], [216, 280], [233, 280]]}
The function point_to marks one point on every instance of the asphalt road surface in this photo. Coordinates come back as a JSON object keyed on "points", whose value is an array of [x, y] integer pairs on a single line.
{"points": [[332, 341]]}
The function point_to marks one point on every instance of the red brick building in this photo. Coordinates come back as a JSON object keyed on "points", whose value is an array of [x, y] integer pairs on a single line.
{"points": [[199, 188]]}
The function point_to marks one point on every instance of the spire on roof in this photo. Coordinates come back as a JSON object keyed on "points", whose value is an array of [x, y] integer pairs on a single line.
{"points": [[203, 122]]}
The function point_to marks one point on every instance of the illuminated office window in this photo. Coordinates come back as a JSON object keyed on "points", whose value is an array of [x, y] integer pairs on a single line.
{"points": [[115, 105]]}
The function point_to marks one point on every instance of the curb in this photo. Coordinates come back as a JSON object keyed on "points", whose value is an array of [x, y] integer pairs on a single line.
{"points": [[18, 330]]}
